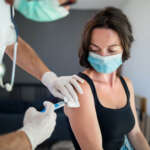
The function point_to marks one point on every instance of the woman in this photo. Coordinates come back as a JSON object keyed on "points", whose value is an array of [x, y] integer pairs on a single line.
{"points": [[107, 112]]}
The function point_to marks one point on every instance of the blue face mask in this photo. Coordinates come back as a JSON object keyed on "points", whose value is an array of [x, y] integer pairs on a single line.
{"points": [[41, 10], [105, 64]]}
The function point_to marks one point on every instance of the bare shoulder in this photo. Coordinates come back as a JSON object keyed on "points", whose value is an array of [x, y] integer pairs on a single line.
{"points": [[85, 99], [81, 124]]}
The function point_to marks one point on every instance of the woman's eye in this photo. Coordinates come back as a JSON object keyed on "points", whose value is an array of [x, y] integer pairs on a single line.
{"points": [[112, 51], [93, 50]]}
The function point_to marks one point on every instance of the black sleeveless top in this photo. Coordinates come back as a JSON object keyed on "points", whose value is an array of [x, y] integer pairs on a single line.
{"points": [[114, 123]]}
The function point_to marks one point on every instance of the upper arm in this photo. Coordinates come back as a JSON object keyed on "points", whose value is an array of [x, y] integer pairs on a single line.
{"points": [[83, 121], [136, 128]]}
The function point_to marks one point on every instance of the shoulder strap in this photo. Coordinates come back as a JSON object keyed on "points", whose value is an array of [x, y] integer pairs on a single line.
{"points": [[125, 87], [91, 84]]}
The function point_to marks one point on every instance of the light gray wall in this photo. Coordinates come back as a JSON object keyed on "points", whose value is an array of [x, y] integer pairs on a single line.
{"points": [[56, 43], [138, 67]]}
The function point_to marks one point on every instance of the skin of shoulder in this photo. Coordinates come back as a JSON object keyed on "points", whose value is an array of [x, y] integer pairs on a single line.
{"points": [[84, 98], [83, 121]]}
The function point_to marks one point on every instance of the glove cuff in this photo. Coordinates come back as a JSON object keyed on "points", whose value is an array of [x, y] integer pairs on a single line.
{"points": [[28, 133], [48, 78]]}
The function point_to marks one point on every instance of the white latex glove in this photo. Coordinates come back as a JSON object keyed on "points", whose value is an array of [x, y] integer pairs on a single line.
{"points": [[64, 87], [39, 126]]}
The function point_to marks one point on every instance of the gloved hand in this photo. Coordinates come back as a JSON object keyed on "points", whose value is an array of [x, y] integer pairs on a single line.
{"points": [[39, 126], [63, 87]]}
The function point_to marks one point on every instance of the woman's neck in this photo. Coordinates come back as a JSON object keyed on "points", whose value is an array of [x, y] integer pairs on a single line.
{"points": [[107, 79]]}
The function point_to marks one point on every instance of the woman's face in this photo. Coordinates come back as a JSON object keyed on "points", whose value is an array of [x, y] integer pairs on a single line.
{"points": [[105, 42]]}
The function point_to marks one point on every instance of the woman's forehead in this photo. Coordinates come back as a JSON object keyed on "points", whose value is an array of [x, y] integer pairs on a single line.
{"points": [[105, 36]]}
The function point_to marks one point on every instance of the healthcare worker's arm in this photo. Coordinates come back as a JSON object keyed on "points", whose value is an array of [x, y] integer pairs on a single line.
{"points": [[37, 128], [84, 121], [136, 136], [15, 141], [62, 87], [27, 59]]}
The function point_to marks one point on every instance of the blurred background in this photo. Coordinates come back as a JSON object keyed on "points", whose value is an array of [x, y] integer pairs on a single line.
{"points": [[57, 44]]}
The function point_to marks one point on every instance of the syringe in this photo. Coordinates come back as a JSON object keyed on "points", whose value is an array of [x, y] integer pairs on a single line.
{"points": [[56, 106]]}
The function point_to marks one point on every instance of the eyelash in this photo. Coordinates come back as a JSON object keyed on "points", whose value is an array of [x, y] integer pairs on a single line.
{"points": [[92, 50], [111, 51], [98, 50]]}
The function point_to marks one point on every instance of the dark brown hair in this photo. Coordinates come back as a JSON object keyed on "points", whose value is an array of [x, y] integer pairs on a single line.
{"points": [[112, 18]]}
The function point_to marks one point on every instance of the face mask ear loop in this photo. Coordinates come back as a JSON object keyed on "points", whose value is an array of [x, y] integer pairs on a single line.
{"points": [[9, 86]]}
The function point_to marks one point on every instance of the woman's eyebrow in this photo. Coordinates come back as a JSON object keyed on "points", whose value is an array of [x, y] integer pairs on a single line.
{"points": [[114, 45], [95, 45], [108, 46]]}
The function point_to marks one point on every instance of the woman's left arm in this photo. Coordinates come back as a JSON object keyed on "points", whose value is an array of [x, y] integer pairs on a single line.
{"points": [[136, 136]]}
